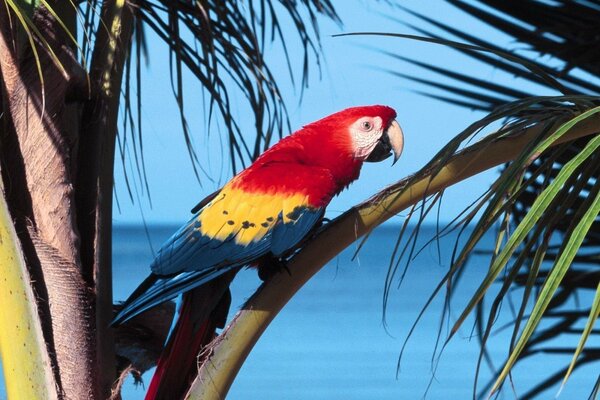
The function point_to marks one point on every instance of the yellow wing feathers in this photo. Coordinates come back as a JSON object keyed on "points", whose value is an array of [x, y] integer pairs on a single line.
{"points": [[249, 216]]}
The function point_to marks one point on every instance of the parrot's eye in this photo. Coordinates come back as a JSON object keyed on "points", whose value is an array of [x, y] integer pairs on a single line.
{"points": [[366, 126]]}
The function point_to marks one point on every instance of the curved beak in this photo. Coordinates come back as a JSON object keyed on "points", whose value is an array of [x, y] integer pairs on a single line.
{"points": [[391, 141]]}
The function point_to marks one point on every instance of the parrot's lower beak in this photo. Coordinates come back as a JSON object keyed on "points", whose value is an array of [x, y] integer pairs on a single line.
{"points": [[391, 141]]}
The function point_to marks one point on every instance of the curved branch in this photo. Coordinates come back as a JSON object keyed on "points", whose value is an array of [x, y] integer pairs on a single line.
{"points": [[233, 346]]}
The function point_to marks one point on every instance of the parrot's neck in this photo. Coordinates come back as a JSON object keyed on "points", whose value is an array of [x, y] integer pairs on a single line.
{"points": [[310, 147], [346, 172], [331, 152]]}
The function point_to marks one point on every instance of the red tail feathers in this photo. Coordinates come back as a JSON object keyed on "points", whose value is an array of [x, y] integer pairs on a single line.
{"points": [[203, 310]]}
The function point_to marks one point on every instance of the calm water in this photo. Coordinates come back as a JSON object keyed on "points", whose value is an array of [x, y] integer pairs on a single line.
{"points": [[330, 343]]}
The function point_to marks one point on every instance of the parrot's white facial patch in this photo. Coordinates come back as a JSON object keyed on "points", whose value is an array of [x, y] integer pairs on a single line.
{"points": [[365, 133]]}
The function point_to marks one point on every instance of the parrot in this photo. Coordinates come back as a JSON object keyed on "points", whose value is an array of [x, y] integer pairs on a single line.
{"points": [[260, 218]]}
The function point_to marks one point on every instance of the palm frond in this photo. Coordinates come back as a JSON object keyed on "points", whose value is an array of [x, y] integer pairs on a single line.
{"points": [[565, 30], [593, 316], [569, 76], [571, 187], [222, 44], [564, 33]]}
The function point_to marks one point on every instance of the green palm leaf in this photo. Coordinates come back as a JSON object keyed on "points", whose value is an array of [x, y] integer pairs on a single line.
{"points": [[566, 32], [567, 253], [594, 313], [539, 207]]}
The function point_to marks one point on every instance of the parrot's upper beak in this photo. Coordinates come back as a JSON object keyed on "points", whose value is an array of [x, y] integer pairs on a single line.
{"points": [[392, 140]]}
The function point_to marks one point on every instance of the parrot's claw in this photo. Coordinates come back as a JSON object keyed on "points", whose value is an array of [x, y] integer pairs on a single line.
{"points": [[271, 266]]}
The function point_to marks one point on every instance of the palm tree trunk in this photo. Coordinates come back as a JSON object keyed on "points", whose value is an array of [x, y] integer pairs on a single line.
{"points": [[95, 174], [37, 151], [57, 152]]}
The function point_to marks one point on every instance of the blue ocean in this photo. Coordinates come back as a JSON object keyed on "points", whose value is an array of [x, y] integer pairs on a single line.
{"points": [[330, 341]]}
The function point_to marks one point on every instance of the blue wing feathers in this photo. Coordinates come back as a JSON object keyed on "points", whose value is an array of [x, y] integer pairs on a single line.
{"points": [[287, 236], [156, 289], [189, 259]]}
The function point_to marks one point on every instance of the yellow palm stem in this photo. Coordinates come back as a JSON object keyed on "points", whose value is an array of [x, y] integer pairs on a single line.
{"points": [[25, 361]]}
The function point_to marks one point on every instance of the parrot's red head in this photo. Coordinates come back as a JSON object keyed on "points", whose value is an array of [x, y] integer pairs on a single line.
{"points": [[342, 141], [361, 133]]}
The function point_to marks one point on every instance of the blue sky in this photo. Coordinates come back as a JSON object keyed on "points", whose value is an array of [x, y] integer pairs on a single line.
{"points": [[354, 73]]}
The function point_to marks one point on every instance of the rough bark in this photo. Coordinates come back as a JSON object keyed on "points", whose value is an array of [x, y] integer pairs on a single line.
{"points": [[37, 151], [95, 174]]}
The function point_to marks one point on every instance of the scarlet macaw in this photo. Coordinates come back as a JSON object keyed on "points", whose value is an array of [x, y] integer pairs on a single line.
{"points": [[258, 218]]}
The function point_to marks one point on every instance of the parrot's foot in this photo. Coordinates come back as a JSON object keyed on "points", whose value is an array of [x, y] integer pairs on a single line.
{"points": [[272, 266]]}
